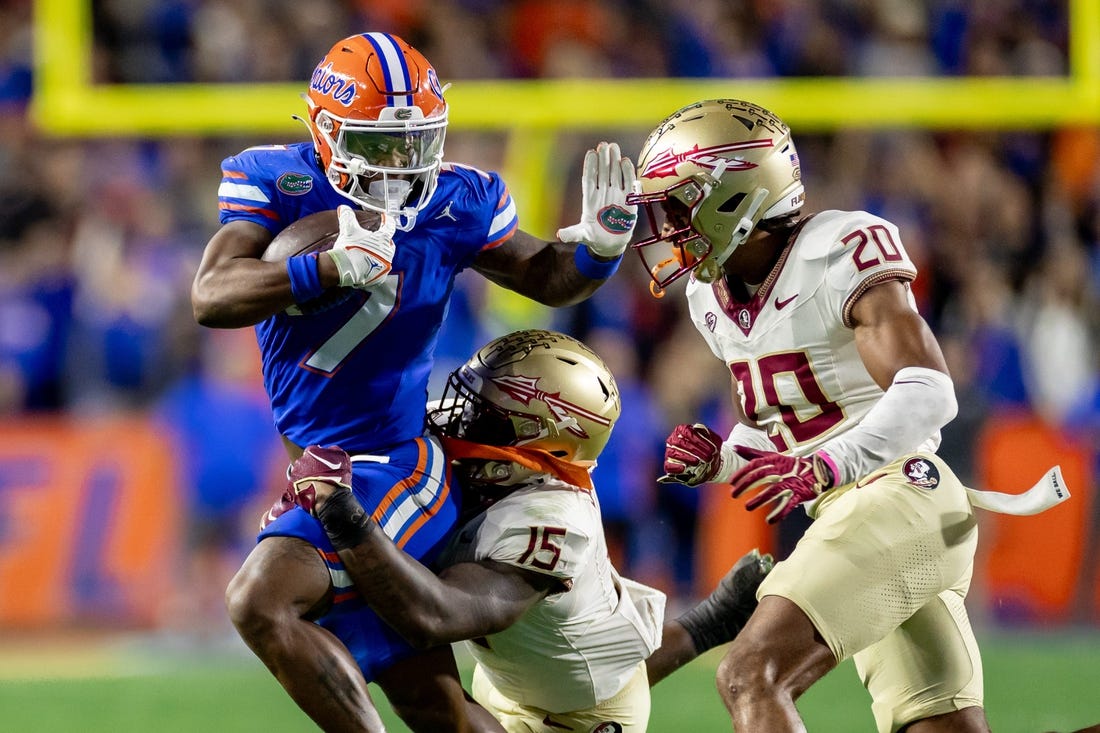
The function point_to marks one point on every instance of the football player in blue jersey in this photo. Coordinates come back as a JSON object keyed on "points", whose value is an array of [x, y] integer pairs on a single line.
{"points": [[347, 337]]}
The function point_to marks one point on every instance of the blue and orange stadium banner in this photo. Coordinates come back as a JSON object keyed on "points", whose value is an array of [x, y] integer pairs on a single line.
{"points": [[89, 525]]}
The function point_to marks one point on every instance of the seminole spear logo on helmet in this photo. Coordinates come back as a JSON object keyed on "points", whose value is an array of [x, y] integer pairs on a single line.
{"points": [[664, 165], [525, 390]]}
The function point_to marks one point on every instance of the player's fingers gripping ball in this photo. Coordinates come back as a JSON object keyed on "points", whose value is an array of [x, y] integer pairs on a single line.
{"points": [[317, 474], [783, 481], [363, 257], [607, 221]]}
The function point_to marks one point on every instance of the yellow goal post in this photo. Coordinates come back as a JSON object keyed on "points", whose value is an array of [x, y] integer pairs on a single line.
{"points": [[532, 113]]}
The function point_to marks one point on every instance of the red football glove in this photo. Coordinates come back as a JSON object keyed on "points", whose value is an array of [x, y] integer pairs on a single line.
{"points": [[328, 468], [693, 455], [786, 481], [281, 506]]}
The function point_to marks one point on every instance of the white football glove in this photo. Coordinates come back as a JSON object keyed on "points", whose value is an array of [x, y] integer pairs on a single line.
{"points": [[607, 222], [363, 258]]}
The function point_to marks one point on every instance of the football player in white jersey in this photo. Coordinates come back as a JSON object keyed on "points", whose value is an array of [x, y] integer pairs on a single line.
{"points": [[842, 390], [561, 640]]}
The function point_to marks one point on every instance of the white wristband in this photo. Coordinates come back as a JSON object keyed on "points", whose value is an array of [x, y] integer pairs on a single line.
{"points": [[744, 435]]}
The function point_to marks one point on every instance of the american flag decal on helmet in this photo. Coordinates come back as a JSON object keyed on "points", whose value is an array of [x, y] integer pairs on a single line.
{"points": [[525, 390], [665, 164]]}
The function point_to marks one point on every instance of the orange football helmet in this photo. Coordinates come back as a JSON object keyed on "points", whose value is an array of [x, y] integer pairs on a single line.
{"points": [[378, 118]]}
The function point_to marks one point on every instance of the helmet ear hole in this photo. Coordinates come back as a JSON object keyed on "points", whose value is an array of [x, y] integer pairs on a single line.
{"points": [[608, 391], [730, 205]]}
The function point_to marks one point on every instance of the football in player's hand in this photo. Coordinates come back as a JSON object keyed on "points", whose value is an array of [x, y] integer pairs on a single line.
{"points": [[313, 233]]}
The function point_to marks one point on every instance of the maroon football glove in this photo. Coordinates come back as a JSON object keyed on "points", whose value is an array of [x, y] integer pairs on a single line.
{"points": [[281, 506], [693, 455], [318, 473], [320, 483], [330, 466], [786, 481]]}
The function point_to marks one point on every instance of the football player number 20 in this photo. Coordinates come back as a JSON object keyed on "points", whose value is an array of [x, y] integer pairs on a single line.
{"points": [[542, 552], [327, 357], [873, 246], [782, 369]]}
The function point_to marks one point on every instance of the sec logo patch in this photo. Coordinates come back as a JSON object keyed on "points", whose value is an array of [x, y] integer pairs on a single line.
{"points": [[921, 472]]}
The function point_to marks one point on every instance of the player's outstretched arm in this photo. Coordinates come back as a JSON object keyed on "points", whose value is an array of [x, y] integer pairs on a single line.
{"points": [[714, 621], [465, 601], [587, 253], [545, 272]]}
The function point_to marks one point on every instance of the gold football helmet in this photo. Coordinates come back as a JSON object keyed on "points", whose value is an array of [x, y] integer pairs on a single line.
{"points": [[532, 389], [707, 176]]}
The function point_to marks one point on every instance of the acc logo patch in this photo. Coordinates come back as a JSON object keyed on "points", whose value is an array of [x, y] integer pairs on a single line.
{"points": [[921, 472], [294, 184], [616, 219]]}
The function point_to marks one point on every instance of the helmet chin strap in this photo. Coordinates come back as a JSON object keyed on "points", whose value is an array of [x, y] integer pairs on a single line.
{"points": [[709, 270], [387, 190], [500, 473]]}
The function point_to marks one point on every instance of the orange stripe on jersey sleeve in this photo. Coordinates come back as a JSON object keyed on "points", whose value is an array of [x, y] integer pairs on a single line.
{"points": [[502, 239], [233, 174], [502, 204], [250, 209]]}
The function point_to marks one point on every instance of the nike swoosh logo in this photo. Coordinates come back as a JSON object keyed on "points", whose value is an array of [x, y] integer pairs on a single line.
{"points": [[781, 304], [553, 723], [333, 466]]}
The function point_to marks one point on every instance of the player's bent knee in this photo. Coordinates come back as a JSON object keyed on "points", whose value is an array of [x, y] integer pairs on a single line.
{"points": [[244, 603], [257, 606], [742, 674]]}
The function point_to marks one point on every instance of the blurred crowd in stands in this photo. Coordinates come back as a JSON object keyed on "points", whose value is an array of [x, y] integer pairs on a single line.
{"points": [[99, 239]]}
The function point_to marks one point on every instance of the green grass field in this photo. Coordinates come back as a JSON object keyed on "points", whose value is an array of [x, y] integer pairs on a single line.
{"points": [[1034, 683]]}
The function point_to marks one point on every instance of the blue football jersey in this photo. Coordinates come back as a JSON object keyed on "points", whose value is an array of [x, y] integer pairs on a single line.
{"points": [[355, 374]]}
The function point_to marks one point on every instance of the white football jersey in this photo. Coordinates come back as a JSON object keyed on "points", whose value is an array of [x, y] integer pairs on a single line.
{"points": [[791, 347], [575, 648]]}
